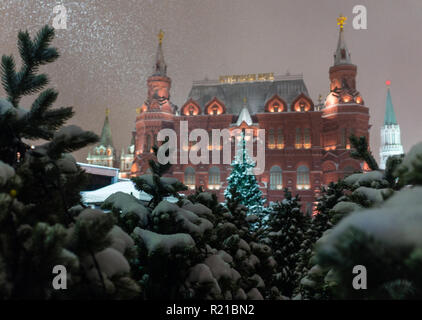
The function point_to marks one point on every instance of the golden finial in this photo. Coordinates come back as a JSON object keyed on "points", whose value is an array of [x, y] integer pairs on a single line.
{"points": [[161, 36], [107, 112], [320, 98], [138, 110], [245, 100], [341, 21]]}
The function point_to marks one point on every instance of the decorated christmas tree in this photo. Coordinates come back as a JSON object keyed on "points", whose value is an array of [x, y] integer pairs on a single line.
{"points": [[244, 181]]}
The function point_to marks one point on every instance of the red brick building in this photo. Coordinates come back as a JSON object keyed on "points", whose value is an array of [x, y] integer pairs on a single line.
{"points": [[306, 144]]}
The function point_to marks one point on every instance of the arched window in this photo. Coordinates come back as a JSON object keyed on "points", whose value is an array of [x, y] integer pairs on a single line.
{"points": [[276, 178], [271, 139], [214, 178], [190, 177], [307, 138], [303, 181], [280, 139], [298, 144]]}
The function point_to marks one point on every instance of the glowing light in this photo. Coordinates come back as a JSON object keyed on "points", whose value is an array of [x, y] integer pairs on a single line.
{"points": [[341, 21], [303, 187], [388, 83]]}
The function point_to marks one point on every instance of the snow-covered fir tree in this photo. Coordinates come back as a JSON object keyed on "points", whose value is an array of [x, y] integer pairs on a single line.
{"points": [[195, 248], [244, 181], [285, 234], [42, 221], [379, 228]]}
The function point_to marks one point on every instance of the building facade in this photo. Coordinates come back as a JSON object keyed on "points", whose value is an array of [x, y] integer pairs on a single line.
{"points": [[390, 133], [306, 143]]}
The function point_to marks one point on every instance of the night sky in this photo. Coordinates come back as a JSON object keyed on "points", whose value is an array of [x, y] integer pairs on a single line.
{"points": [[109, 47]]}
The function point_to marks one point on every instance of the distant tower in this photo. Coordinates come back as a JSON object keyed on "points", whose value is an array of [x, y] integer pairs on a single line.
{"points": [[104, 153], [344, 113], [156, 113], [390, 132]]}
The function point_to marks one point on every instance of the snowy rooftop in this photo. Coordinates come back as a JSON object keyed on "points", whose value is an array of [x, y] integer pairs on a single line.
{"points": [[99, 195]]}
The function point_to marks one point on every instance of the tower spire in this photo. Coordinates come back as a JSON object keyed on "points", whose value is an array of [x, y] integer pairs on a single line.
{"points": [[342, 55], [390, 132], [105, 139], [390, 115], [160, 68]]}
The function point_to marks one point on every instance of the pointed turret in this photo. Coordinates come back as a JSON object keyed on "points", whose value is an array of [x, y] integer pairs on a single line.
{"points": [[105, 139], [104, 153], [244, 115], [342, 55], [390, 115], [390, 132], [160, 68], [343, 73]]}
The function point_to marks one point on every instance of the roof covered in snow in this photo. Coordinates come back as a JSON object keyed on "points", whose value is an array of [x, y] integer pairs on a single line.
{"points": [[101, 194], [257, 92]]}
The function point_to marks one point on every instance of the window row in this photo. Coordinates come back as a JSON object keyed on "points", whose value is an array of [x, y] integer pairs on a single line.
{"points": [[302, 138], [302, 103], [302, 178], [276, 178]]}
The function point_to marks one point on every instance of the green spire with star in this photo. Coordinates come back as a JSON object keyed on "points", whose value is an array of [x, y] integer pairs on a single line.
{"points": [[390, 116]]}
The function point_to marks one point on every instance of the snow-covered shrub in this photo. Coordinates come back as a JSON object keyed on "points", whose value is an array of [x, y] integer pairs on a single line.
{"points": [[410, 170]]}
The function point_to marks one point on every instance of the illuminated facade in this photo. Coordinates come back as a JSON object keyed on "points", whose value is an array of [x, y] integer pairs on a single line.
{"points": [[307, 143]]}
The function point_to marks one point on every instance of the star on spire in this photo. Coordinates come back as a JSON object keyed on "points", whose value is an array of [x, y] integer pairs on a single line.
{"points": [[341, 21], [160, 68], [160, 36]]}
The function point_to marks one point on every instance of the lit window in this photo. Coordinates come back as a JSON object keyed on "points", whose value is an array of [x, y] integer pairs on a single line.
{"points": [[190, 177], [280, 139], [214, 178], [271, 139], [303, 181], [276, 178], [298, 144], [307, 138]]}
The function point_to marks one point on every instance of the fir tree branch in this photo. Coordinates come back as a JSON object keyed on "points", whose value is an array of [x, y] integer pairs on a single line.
{"points": [[361, 151]]}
